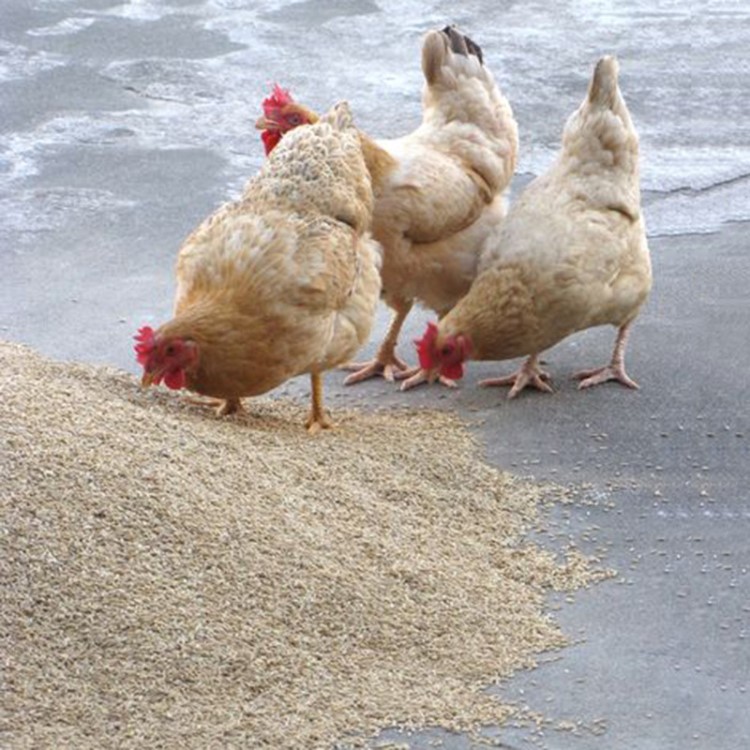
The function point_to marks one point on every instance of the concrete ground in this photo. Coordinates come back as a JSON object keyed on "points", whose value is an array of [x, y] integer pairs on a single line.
{"points": [[124, 124]]}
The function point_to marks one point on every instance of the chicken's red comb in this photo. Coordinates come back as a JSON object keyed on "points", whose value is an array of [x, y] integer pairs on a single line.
{"points": [[145, 343], [426, 347], [279, 98]]}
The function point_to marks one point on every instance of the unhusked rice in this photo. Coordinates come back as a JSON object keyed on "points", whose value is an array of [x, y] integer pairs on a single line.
{"points": [[170, 579]]}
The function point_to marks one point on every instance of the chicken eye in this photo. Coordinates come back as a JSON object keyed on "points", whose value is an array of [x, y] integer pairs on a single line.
{"points": [[170, 351], [447, 350], [294, 120]]}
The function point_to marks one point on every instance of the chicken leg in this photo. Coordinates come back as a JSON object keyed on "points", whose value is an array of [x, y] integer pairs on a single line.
{"points": [[386, 363], [223, 407], [615, 370], [528, 374], [318, 420]]}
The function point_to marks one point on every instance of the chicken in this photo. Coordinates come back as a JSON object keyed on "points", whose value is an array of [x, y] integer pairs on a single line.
{"points": [[570, 255], [282, 282], [439, 191]]}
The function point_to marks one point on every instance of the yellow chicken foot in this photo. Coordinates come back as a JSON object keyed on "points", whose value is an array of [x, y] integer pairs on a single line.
{"points": [[528, 374], [386, 362], [615, 370], [223, 407], [416, 376], [318, 420]]}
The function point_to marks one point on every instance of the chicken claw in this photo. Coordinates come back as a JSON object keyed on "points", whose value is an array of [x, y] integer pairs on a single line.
{"points": [[528, 374], [223, 407], [416, 376], [615, 370], [386, 362], [230, 406], [603, 374], [389, 369], [315, 424]]}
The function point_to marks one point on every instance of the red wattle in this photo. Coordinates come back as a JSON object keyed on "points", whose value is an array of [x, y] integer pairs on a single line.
{"points": [[453, 372], [175, 379], [270, 140]]}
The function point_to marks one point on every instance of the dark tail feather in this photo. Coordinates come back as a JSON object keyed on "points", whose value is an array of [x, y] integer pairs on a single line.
{"points": [[461, 44]]}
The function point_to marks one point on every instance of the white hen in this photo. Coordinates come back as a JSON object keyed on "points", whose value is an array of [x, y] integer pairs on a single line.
{"points": [[570, 255]]}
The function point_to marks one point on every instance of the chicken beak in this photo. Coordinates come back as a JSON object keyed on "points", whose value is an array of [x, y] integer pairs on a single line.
{"points": [[147, 379], [263, 124]]}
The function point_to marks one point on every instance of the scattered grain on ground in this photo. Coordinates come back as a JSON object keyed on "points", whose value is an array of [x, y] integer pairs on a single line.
{"points": [[175, 580]]}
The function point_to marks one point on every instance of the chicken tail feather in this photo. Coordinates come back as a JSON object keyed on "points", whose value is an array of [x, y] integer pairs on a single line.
{"points": [[438, 46], [462, 44], [603, 86], [339, 116]]}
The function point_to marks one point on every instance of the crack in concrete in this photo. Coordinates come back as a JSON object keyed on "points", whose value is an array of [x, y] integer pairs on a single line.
{"points": [[145, 95], [684, 190]]}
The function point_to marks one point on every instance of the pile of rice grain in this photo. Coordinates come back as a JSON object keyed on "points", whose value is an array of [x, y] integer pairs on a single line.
{"points": [[174, 580]]}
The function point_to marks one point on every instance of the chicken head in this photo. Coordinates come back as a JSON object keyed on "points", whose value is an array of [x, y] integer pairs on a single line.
{"points": [[280, 115], [443, 355], [167, 359]]}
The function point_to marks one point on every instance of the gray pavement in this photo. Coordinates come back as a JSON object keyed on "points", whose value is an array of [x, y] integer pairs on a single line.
{"points": [[124, 124]]}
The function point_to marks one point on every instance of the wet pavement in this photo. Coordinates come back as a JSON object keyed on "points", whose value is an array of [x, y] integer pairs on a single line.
{"points": [[123, 124]]}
